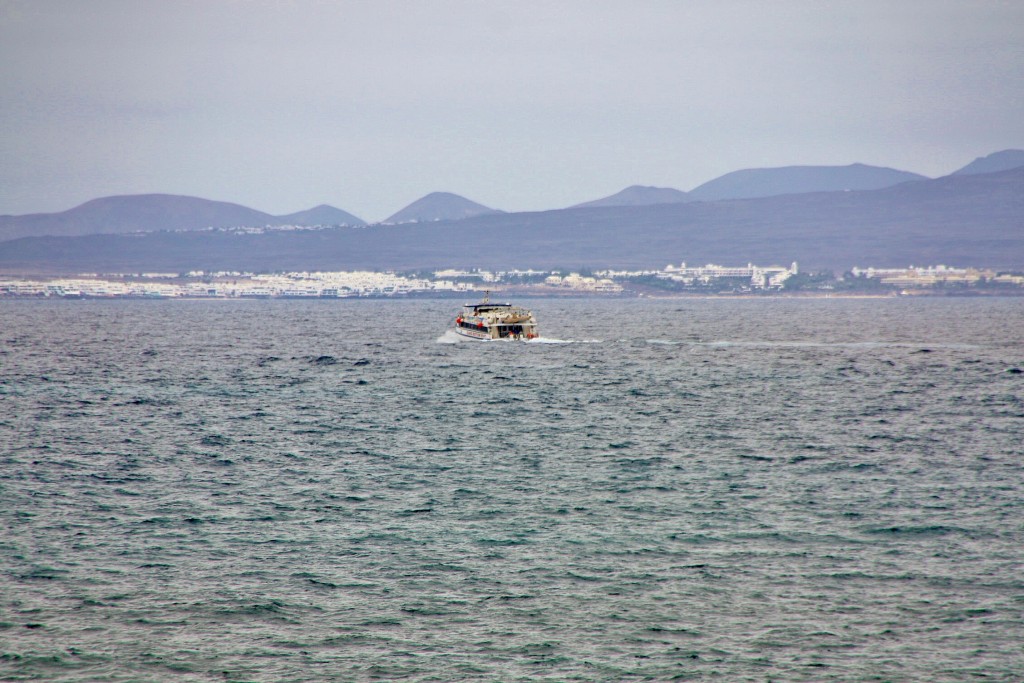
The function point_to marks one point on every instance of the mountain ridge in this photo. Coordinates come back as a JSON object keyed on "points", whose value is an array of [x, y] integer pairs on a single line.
{"points": [[965, 220], [148, 212]]}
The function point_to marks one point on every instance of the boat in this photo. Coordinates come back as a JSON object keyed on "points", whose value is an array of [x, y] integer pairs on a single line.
{"points": [[489, 321]]}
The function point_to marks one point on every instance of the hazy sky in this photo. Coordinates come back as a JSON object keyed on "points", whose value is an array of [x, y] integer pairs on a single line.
{"points": [[519, 105]]}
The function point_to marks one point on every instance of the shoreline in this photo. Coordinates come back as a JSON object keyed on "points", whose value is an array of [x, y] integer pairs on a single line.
{"points": [[533, 295]]}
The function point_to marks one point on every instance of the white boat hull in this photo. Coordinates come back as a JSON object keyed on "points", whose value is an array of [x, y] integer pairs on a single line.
{"points": [[485, 335]]}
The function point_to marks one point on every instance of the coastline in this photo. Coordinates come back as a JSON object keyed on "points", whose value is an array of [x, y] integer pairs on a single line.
{"points": [[525, 294]]}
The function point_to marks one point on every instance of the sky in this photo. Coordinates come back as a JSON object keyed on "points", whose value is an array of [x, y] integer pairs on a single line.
{"points": [[520, 105]]}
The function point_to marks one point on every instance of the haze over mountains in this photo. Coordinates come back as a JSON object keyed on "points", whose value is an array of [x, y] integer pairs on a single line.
{"points": [[820, 219]]}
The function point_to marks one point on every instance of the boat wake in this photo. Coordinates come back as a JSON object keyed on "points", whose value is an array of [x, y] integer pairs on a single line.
{"points": [[450, 337], [550, 340]]}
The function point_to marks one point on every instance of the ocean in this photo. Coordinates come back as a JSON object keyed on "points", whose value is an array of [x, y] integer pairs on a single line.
{"points": [[759, 489]]}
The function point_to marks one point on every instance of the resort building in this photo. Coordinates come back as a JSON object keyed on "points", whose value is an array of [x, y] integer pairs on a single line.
{"points": [[760, 277]]}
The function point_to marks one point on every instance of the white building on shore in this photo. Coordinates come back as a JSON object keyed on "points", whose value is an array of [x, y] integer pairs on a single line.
{"points": [[761, 277], [925, 276], [584, 283]]}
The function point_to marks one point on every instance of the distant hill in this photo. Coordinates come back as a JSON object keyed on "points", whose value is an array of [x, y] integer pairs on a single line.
{"points": [[151, 212], [131, 213], [770, 182], [639, 195], [321, 215], [956, 220], [439, 206], [997, 161]]}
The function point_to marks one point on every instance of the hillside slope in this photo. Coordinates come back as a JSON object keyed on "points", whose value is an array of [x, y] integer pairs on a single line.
{"points": [[439, 206], [638, 195], [770, 182], [995, 162]]}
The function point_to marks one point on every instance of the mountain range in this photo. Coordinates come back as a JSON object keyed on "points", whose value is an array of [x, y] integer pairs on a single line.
{"points": [[822, 219], [153, 212], [972, 219]]}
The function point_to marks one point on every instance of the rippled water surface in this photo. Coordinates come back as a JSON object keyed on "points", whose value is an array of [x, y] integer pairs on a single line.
{"points": [[821, 490]]}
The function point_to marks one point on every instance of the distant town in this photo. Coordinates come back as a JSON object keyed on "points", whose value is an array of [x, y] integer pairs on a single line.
{"points": [[672, 280]]}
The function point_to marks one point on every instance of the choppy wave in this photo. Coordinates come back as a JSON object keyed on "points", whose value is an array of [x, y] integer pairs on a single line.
{"points": [[296, 491]]}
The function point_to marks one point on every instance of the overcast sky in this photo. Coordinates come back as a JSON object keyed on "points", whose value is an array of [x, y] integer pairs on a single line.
{"points": [[519, 105]]}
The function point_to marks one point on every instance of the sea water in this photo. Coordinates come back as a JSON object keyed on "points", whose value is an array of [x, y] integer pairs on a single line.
{"points": [[690, 489]]}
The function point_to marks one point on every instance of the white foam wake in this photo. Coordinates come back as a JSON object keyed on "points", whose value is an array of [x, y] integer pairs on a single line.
{"points": [[450, 337], [552, 340]]}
